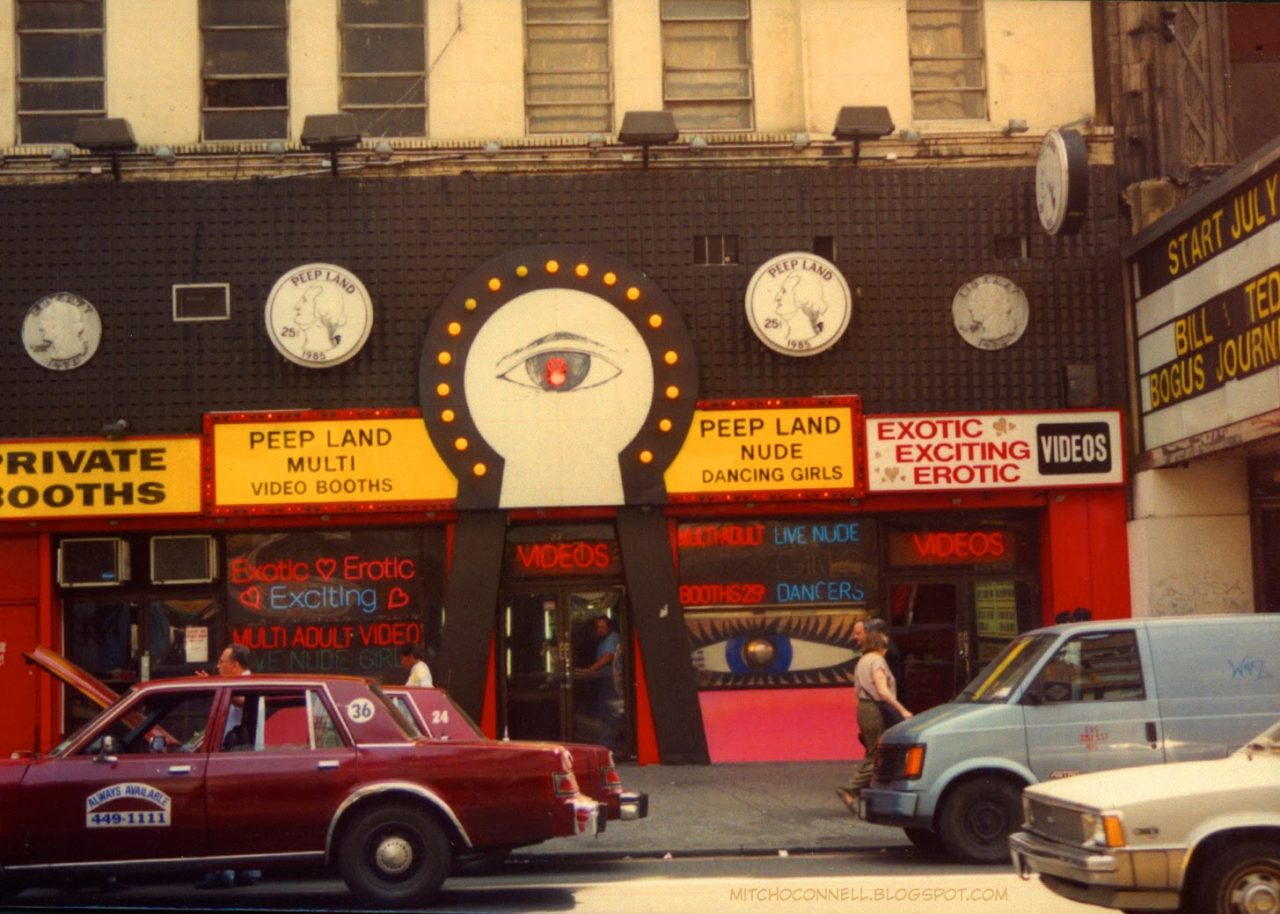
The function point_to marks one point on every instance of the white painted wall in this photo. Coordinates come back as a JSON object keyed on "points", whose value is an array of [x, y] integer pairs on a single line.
{"points": [[1189, 540], [810, 57]]}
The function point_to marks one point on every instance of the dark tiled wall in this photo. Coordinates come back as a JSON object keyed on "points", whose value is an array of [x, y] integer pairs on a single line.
{"points": [[906, 239]]}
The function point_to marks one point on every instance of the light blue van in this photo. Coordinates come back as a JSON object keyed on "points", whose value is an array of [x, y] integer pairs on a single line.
{"points": [[1067, 699]]}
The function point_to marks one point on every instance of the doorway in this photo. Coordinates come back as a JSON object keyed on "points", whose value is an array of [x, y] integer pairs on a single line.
{"points": [[949, 629], [547, 635]]}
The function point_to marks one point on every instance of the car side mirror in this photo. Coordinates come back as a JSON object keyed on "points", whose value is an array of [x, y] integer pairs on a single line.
{"points": [[1033, 696], [106, 750]]}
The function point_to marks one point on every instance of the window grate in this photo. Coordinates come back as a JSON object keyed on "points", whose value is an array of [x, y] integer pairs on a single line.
{"points": [[60, 70]]}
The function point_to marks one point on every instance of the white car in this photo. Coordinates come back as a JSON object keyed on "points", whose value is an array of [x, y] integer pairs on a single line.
{"points": [[1200, 837]]}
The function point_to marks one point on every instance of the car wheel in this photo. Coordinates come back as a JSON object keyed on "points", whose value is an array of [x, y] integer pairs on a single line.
{"points": [[1240, 880], [924, 838], [394, 856], [977, 819]]}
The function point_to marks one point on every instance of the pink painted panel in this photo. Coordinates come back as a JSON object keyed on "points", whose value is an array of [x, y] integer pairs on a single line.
{"points": [[781, 725]]}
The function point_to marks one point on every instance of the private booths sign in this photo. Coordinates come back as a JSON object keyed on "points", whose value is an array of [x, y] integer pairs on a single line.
{"points": [[73, 478], [326, 602]]}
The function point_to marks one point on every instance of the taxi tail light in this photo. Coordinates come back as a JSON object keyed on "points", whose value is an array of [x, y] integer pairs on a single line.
{"points": [[913, 762], [609, 775], [565, 784]]}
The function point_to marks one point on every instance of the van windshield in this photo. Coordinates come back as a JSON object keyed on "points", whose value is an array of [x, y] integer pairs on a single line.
{"points": [[1001, 676]]}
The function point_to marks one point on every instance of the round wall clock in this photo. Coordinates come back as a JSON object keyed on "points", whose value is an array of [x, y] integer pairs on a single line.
{"points": [[1062, 181]]}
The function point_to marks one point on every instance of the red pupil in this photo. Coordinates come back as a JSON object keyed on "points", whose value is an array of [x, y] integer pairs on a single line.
{"points": [[557, 371]]}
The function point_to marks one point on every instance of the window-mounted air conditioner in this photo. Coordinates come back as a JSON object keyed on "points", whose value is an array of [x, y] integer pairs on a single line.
{"points": [[94, 562], [183, 559]]}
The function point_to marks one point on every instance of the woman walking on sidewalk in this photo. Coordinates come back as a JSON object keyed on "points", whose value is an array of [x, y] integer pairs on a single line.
{"points": [[877, 696]]}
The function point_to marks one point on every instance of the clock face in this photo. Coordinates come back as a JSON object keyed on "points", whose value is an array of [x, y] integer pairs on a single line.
{"points": [[1062, 181], [1051, 183]]}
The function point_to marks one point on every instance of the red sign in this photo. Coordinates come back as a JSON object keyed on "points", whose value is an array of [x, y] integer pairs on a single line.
{"points": [[953, 547], [572, 557]]}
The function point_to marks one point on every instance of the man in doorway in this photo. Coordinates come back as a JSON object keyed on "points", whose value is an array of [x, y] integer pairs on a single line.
{"points": [[411, 660], [610, 707]]}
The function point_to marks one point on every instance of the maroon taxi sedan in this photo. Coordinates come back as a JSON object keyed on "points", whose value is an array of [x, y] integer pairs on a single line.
{"points": [[272, 772], [435, 714]]}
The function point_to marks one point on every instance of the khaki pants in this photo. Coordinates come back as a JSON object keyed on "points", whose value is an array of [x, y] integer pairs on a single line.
{"points": [[870, 729]]}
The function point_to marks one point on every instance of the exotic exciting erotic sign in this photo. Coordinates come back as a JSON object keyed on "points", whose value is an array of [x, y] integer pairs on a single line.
{"points": [[994, 451]]}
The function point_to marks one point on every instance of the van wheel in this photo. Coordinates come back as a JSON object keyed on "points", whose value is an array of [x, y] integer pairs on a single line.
{"points": [[1240, 880], [394, 856], [925, 838], [977, 819]]}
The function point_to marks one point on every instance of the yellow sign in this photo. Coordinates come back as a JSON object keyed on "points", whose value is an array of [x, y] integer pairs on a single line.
{"points": [[782, 449], [42, 480], [325, 462]]}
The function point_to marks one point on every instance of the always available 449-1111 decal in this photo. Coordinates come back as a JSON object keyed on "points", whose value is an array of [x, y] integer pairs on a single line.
{"points": [[146, 806]]}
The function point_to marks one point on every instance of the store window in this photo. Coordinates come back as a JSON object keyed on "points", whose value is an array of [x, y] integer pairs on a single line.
{"points": [[60, 67], [568, 73], [958, 588], [706, 64], [772, 603], [244, 69], [335, 601], [948, 59], [142, 606], [384, 66]]}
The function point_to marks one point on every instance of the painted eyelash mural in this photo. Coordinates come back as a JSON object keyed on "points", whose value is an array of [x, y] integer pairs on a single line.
{"points": [[745, 650], [557, 375]]}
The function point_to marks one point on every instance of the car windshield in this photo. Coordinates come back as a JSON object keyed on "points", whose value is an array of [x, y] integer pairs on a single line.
{"points": [[1002, 675], [92, 722]]}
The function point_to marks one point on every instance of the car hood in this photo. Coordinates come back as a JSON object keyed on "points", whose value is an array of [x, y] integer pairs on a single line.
{"points": [[954, 717], [83, 682], [1169, 783]]}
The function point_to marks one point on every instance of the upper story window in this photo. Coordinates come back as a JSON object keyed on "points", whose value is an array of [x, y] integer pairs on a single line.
{"points": [[60, 68], [245, 69], [706, 63], [384, 66], [568, 64], [948, 59]]}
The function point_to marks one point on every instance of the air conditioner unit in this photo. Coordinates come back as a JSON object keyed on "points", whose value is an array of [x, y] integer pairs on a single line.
{"points": [[93, 562], [183, 559]]}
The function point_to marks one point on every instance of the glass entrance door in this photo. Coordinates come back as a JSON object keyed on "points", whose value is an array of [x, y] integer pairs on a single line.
{"points": [[947, 630], [548, 637]]}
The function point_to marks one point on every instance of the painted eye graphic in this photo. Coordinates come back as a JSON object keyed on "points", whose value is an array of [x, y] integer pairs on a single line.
{"points": [[558, 370], [755, 651]]}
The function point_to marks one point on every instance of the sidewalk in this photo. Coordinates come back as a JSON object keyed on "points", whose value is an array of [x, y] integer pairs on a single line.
{"points": [[747, 808]]}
